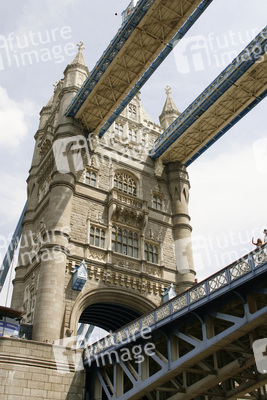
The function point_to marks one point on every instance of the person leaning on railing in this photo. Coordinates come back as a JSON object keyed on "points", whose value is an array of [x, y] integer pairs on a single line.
{"points": [[258, 243]]}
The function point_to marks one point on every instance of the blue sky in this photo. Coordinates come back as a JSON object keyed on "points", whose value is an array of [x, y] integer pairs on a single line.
{"points": [[228, 190]]}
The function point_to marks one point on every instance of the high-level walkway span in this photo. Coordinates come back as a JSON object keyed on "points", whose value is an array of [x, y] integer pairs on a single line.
{"points": [[239, 88], [203, 342], [139, 47]]}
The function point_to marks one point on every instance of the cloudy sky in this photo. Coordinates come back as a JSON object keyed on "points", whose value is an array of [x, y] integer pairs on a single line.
{"points": [[228, 190]]}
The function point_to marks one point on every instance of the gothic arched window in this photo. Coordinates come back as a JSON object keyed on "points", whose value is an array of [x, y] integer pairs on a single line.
{"points": [[90, 178], [132, 111], [157, 202], [125, 183]]}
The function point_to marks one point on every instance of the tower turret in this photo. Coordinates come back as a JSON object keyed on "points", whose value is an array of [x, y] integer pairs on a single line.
{"points": [[170, 111]]}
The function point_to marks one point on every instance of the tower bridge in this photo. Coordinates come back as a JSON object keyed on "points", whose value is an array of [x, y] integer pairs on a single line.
{"points": [[110, 226]]}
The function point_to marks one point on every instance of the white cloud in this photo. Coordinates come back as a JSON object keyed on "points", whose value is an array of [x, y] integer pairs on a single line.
{"points": [[227, 206], [13, 196], [13, 119], [228, 185]]}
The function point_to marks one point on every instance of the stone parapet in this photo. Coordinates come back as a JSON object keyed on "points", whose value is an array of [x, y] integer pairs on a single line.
{"points": [[29, 370]]}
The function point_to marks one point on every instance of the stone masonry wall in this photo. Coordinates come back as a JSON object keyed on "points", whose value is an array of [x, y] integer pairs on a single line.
{"points": [[29, 371]]}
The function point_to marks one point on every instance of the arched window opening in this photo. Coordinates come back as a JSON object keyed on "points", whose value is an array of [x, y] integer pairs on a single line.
{"points": [[151, 253], [157, 202], [125, 183], [90, 178], [132, 111]]}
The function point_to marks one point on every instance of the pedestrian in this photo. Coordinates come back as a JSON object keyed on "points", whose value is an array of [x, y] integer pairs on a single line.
{"points": [[258, 243]]}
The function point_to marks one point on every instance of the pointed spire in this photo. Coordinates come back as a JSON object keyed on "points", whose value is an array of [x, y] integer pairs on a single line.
{"points": [[170, 112], [76, 72], [169, 106]]}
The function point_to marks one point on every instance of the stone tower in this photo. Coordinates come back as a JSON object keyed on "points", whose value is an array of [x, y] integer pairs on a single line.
{"points": [[98, 207]]}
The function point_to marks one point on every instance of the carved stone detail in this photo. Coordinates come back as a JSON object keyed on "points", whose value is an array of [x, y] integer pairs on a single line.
{"points": [[154, 271], [124, 279], [126, 264], [159, 167], [129, 201], [29, 301], [97, 255], [128, 216]]}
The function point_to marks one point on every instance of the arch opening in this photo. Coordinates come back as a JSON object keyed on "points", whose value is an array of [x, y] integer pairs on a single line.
{"points": [[100, 312], [108, 316]]}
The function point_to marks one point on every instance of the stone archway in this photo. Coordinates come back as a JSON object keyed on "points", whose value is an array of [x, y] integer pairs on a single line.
{"points": [[122, 305]]}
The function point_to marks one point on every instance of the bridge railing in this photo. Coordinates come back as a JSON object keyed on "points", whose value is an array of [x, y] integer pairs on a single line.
{"points": [[215, 285]]}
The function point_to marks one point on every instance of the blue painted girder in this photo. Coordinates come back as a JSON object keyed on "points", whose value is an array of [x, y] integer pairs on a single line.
{"points": [[9, 256], [238, 67], [249, 276], [111, 52], [163, 55], [253, 266]]}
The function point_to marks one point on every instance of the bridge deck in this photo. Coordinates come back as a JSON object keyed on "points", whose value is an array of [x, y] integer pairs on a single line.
{"points": [[241, 86], [139, 42]]}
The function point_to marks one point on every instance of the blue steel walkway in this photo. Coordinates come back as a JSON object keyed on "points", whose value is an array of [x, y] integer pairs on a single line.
{"points": [[202, 336]]}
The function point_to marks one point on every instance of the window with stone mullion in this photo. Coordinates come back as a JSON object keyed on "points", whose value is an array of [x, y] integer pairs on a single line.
{"points": [[157, 202], [125, 242], [132, 111], [119, 129], [97, 237], [132, 134], [125, 183], [151, 253], [90, 178]]}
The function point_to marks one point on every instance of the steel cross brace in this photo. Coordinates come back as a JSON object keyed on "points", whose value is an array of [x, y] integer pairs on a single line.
{"points": [[144, 378]]}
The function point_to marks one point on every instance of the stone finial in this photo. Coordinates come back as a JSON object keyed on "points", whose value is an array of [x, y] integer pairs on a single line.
{"points": [[168, 90], [78, 59], [80, 46]]}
